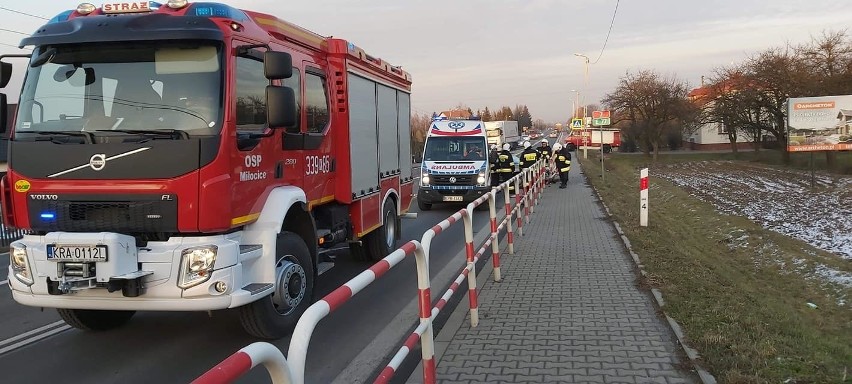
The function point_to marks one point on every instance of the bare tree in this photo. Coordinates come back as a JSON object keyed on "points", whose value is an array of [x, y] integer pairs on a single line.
{"points": [[654, 106], [828, 61], [419, 126]]}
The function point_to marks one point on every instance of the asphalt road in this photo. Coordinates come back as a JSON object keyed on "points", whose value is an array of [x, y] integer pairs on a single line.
{"points": [[177, 347], [171, 347]]}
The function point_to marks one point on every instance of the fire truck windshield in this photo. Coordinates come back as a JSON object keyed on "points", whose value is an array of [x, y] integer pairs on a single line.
{"points": [[129, 86]]}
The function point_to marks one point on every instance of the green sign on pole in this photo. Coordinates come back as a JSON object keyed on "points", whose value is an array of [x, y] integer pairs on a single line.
{"points": [[600, 118]]}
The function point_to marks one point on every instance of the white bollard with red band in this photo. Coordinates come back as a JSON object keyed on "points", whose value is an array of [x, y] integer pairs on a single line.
{"points": [[643, 197]]}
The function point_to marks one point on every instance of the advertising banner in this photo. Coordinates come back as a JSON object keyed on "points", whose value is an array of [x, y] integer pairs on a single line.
{"points": [[819, 123]]}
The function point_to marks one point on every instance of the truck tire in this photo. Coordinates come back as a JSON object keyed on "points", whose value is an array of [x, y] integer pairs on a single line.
{"points": [[274, 316], [423, 206], [382, 240], [94, 320]]}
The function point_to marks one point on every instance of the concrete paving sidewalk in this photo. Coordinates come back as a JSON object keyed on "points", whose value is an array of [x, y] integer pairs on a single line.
{"points": [[567, 311]]}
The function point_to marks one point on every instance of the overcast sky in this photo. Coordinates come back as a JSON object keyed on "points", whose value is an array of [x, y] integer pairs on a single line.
{"points": [[507, 52]]}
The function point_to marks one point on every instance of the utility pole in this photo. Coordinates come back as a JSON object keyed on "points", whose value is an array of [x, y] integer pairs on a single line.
{"points": [[586, 137]]}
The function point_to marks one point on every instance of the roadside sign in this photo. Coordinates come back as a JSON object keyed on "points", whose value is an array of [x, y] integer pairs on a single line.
{"points": [[600, 118], [576, 123]]}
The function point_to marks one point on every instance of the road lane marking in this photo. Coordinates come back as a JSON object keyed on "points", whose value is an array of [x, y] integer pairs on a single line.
{"points": [[5, 282], [30, 337]]}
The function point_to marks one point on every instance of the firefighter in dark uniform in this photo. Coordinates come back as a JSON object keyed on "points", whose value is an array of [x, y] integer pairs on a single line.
{"points": [[562, 158], [493, 157], [505, 165], [544, 150], [529, 156]]}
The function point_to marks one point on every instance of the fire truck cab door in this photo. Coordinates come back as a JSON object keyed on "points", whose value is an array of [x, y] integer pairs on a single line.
{"points": [[253, 162], [316, 145]]}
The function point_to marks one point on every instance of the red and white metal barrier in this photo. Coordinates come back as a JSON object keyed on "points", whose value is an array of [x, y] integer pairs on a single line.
{"points": [[294, 372], [298, 350], [244, 360]]}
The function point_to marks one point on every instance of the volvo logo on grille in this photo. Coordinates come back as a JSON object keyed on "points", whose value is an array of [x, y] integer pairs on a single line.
{"points": [[98, 161], [44, 197], [453, 179]]}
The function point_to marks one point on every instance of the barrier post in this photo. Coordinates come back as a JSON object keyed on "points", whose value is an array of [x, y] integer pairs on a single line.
{"points": [[495, 234], [510, 236], [542, 169], [424, 287], [471, 278], [518, 201], [533, 188], [527, 192]]}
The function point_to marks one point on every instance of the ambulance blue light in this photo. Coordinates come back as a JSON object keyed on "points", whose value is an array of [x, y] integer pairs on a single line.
{"points": [[61, 17], [216, 10], [48, 216]]}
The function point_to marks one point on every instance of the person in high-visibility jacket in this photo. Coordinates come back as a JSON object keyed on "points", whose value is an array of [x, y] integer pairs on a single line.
{"points": [[529, 156], [562, 158], [505, 165], [544, 150]]}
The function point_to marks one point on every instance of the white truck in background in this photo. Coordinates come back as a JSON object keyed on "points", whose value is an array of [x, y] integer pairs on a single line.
{"points": [[500, 132]]}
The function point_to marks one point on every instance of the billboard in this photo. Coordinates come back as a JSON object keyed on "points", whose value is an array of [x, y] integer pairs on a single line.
{"points": [[819, 123]]}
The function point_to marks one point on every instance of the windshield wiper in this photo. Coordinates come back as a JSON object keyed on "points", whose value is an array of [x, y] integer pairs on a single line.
{"points": [[88, 136], [174, 134]]}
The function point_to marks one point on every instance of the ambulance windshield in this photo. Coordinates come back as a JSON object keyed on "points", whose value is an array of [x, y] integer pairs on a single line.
{"points": [[455, 148], [127, 86]]}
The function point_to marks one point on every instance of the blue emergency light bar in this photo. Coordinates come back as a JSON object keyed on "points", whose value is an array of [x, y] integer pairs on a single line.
{"points": [[216, 10]]}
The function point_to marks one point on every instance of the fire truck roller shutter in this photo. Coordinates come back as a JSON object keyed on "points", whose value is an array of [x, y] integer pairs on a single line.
{"points": [[363, 140], [388, 135]]}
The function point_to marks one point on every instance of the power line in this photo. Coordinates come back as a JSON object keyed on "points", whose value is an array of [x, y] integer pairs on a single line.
{"points": [[23, 13], [608, 32], [14, 31], [14, 46]]}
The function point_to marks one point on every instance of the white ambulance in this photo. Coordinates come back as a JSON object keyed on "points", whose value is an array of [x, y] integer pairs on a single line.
{"points": [[455, 166]]}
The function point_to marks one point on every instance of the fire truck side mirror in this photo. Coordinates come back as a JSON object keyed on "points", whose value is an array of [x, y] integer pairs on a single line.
{"points": [[277, 65], [5, 74], [281, 106]]}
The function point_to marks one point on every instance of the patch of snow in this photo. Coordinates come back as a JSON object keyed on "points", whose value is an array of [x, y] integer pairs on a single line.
{"points": [[780, 200]]}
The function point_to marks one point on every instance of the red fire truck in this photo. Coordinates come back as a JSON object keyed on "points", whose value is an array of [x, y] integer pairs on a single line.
{"points": [[578, 138], [194, 157]]}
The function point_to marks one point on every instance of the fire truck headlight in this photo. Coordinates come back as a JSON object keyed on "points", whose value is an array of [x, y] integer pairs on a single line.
{"points": [[196, 265], [424, 179], [20, 265], [86, 8], [481, 178]]}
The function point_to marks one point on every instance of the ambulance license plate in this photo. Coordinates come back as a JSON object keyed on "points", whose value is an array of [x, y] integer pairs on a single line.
{"points": [[77, 253], [453, 198]]}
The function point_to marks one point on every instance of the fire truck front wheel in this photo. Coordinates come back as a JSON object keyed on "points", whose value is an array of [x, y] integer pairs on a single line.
{"points": [[274, 316], [94, 320]]}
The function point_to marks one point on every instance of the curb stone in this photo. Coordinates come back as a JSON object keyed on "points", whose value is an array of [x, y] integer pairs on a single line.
{"points": [[691, 353]]}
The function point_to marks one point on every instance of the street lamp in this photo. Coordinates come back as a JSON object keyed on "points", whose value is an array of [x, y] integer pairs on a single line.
{"points": [[573, 105], [585, 84]]}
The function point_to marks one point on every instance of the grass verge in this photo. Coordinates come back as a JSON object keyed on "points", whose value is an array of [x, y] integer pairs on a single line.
{"points": [[747, 316]]}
